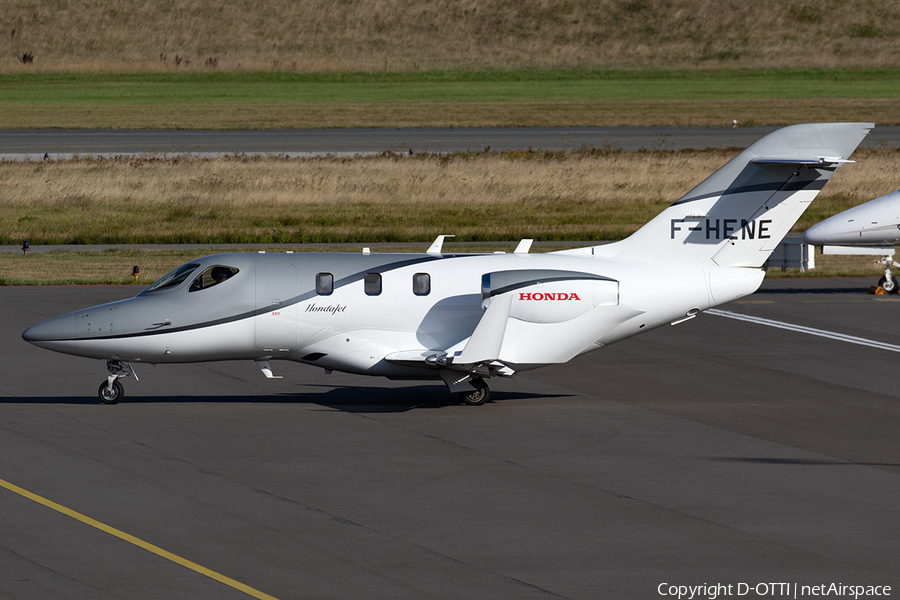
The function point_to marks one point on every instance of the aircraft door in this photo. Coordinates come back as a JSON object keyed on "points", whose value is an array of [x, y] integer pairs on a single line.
{"points": [[276, 328]]}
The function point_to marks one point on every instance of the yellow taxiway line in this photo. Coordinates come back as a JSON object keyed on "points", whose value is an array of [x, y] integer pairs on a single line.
{"points": [[136, 541]]}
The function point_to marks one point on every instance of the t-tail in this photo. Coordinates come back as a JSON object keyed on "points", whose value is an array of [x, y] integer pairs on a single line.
{"points": [[739, 214]]}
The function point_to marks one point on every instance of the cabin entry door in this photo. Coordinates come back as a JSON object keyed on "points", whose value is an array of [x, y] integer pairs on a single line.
{"points": [[276, 321]]}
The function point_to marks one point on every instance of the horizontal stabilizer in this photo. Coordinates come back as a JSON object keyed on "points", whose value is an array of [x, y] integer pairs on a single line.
{"points": [[821, 161]]}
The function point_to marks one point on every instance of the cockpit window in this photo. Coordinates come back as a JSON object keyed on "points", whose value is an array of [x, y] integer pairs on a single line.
{"points": [[212, 276], [173, 279]]}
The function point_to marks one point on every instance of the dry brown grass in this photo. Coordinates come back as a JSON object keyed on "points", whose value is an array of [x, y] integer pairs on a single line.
{"points": [[388, 198], [375, 199], [395, 35], [383, 199]]}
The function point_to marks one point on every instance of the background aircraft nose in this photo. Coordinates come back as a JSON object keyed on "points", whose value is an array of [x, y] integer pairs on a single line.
{"points": [[52, 330], [817, 235]]}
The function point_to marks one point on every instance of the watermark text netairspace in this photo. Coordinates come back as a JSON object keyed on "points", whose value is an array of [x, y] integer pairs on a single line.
{"points": [[712, 591]]}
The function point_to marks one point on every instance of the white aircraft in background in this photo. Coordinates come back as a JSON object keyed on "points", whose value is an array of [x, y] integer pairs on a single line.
{"points": [[462, 318], [870, 228]]}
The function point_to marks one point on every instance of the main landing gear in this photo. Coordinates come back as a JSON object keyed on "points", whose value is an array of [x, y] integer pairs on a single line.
{"points": [[111, 391], [461, 383], [479, 395]]}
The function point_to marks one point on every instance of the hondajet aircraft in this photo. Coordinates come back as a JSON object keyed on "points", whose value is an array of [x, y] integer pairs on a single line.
{"points": [[873, 227], [464, 318]]}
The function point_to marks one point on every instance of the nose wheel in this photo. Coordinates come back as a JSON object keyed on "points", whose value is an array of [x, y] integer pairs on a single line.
{"points": [[888, 283], [111, 391], [111, 394]]}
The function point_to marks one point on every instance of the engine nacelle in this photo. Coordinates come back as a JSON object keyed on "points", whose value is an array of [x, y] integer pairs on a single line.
{"points": [[551, 313], [542, 296], [560, 301]]}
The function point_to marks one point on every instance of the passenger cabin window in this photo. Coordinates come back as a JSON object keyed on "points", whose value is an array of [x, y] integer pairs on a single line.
{"points": [[421, 284], [211, 277], [324, 284], [173, 279], [373, 284]]}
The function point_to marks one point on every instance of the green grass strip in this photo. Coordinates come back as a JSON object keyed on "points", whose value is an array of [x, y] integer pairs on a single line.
{"points": [[58, 89]]}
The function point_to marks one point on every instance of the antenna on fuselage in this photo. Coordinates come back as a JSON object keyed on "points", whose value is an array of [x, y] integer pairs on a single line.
{"points": [[435, 248], [523, 247]]}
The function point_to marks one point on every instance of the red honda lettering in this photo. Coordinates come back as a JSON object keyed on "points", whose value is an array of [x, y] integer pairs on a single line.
{"points": [[554, 296]]}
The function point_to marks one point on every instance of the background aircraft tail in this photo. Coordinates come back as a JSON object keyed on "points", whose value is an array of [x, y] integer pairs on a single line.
{"points": [[740, 213]]}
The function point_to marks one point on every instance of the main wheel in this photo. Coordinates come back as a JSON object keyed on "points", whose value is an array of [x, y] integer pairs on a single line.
{"points": [[889, 287], [112, 396], [479, 395]]}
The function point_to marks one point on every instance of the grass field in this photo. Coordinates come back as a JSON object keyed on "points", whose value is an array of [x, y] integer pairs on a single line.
{"points": [[442, 99], [113, 36], [582, 195], [446, 63], [198, 64]]}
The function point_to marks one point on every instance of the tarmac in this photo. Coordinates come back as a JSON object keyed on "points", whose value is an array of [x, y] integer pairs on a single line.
{"points": [[63, 144], [716, 452]]}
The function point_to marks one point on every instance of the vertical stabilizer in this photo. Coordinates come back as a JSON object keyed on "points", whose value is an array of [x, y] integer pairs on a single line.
{"points": [[740, 213]]}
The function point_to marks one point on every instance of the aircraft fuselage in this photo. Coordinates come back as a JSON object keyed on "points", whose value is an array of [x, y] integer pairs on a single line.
{"points": [[368, 307]]}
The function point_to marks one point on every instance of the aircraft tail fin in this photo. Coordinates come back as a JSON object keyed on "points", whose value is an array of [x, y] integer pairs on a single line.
{"points": [[740, 213]]}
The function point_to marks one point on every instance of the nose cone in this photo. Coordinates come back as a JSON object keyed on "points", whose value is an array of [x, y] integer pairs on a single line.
{"points": [[829, 231], [872, 223], [57, 334]]}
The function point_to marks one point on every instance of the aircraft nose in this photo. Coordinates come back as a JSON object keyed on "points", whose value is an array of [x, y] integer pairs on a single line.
{"points": [[833, 230], [52, 331], [817, 235]]}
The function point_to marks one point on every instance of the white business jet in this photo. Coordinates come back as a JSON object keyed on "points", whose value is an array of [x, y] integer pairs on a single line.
{"points": [[870, 228], [464, 318]]}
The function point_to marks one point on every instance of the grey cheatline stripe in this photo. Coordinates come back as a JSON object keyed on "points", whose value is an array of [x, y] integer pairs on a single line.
{"points": [[800, 329]]}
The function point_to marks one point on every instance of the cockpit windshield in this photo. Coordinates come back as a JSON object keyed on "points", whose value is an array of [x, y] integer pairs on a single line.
{"points": [[173, 279], [212, 276]]}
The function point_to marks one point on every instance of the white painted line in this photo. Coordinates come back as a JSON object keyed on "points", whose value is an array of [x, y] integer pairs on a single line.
{"points": [[808, 330]]}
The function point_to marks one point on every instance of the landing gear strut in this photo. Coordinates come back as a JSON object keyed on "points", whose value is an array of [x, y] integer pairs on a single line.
{"points": [[111, 391], [888, 283], [479, 395]]}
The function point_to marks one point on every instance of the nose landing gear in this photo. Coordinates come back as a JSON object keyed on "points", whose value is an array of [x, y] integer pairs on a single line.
{"points": [[111, 391], [888, 283]]}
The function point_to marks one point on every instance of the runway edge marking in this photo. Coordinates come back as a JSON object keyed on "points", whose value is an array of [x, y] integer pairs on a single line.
{"points": [[136, 541], [808, 330]]}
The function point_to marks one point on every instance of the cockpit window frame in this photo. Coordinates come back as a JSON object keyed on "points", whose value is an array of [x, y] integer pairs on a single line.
{"points": [[172, 279], [211, 277]]}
